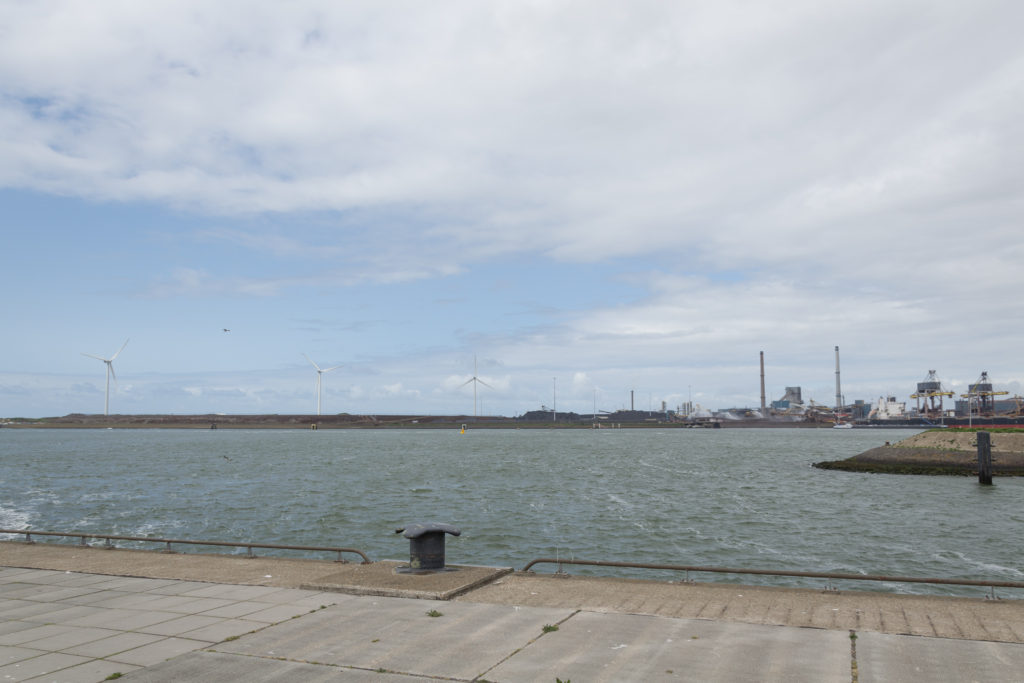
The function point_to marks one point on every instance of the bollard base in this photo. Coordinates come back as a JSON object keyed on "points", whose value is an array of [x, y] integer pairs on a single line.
{"points": [[419, 571]]}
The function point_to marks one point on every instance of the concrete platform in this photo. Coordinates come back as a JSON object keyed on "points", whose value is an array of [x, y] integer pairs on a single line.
{"points": [[57, 624], [377, 578]]}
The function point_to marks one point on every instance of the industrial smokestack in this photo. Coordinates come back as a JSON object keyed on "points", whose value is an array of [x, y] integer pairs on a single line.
{"points": [[839, 394], [764, 408]]}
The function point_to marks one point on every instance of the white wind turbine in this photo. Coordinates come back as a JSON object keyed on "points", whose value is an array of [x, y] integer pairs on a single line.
{"points": [[110, 373], [475, 380], [319, 375]]}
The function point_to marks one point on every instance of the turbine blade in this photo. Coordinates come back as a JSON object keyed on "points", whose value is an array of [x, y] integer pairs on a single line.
{"points": [[120, 349], [96, 357], [467, 382], [334, 368], [486, 384], [314, 364], [110, 366]]}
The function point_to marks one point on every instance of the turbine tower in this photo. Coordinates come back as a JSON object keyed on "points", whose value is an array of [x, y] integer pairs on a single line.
{"points": [[319, 375], [110, 373], [475, 380]]}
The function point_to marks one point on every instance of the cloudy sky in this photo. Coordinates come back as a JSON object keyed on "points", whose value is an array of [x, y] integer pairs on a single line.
{"points": [[588, 198]]}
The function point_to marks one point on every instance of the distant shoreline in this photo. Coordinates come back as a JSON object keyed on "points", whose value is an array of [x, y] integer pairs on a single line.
{"points": [[348, 421]]}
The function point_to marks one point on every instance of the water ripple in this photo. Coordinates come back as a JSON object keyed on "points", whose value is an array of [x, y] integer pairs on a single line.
{"points": [[732, 497]]}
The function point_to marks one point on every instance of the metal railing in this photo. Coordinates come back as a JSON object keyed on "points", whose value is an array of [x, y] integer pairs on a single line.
{"points": [[829, 576], [687, 569], [107, 538]]}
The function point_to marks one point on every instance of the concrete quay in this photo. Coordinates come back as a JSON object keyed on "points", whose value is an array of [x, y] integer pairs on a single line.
{"points": [[70, 613]]}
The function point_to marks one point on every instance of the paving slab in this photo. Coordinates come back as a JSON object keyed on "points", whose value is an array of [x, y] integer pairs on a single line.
{"points": [[112, 645], [125, 599], [122, 619], [294, 596], [182, 625], [8, 627], [70, 578], [39, 666], [886, 657], [9, 654], [134, 583], [91, 672], [26, 609], [179, 587], [69, 638], [592, 646], [232, 592], [158, 651], [36, 632], [398, 635], [276, 613], [41, 592], [8, 573], [96, 597], [219, 667], [224, 629], [61, 613]]}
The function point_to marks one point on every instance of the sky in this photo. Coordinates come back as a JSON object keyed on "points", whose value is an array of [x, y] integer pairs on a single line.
{"points": [[578, 199]]}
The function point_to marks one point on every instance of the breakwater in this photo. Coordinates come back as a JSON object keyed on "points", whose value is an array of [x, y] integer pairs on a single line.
{"points": [[937, 452]]}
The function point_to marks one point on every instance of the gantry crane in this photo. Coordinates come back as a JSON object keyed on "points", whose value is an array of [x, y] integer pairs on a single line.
{"points": [[930, 390], [1018, 406], [982, 389]]}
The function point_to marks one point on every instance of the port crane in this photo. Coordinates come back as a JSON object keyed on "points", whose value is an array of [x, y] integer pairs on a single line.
{"points": [[982, 389], [930, 390]]}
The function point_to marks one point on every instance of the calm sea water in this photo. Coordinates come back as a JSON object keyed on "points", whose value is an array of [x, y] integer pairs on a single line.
{"points": [[729, 497]]}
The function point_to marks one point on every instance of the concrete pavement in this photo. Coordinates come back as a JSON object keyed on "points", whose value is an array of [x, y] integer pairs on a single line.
{"points": [[62, 625]]}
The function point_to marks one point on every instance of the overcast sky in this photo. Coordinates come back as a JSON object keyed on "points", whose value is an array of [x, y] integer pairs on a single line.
{"points": [[587, 197]]}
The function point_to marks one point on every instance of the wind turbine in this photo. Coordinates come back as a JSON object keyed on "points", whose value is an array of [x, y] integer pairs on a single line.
{"points": [[475, 380], [319, 375], [110, 373]]}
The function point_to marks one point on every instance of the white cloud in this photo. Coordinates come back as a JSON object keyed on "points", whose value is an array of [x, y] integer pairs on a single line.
{"points": [[781, 176]]}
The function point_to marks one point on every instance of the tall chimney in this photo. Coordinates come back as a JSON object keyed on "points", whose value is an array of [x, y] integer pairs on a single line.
{"points": [[631, 400], [839, 394], [764, 408]]}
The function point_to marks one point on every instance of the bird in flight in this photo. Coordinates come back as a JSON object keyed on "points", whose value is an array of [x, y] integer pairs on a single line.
{"points": [[226, 329]]}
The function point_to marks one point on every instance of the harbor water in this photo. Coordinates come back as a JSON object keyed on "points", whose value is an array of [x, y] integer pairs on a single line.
{"points": [[728, 497]]}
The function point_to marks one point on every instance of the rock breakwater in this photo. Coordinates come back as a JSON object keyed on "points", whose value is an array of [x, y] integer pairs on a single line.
{"points": [[938, 451]]}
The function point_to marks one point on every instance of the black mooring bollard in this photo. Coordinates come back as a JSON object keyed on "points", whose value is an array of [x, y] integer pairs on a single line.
{"points": [[985, 458], [426, 545]]}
